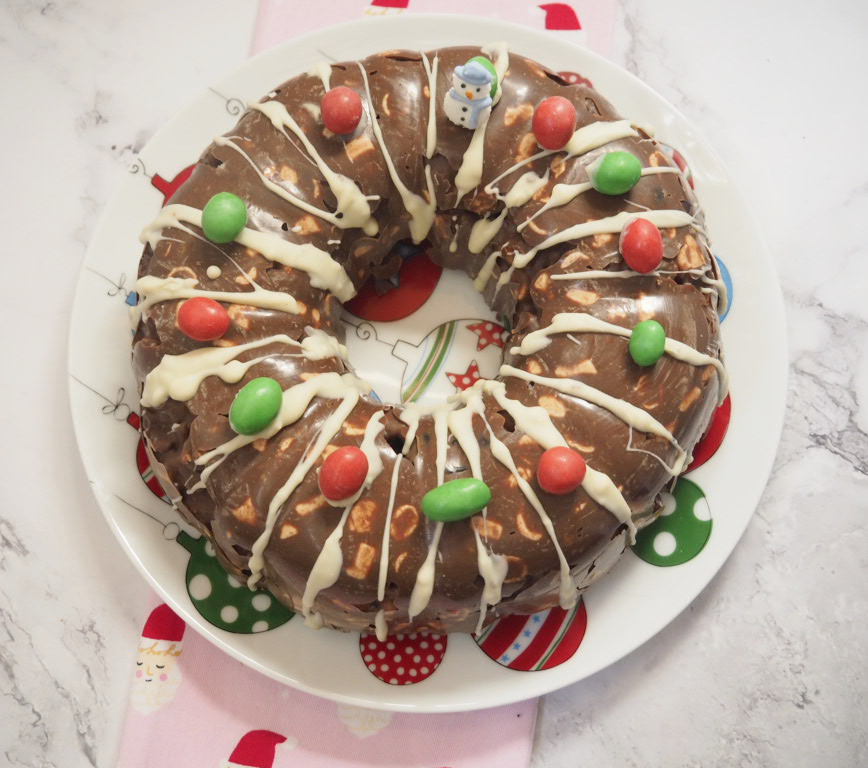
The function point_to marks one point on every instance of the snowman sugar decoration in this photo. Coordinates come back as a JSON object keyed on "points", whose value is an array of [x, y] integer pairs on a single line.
{"points": [[474, 86]]}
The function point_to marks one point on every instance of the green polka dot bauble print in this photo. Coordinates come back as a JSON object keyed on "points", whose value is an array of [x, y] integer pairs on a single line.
{"points": [[681, 531], [224, 601]]}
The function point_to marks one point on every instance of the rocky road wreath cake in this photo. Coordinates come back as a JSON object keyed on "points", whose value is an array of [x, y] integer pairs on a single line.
{"points": [[520, 491]]}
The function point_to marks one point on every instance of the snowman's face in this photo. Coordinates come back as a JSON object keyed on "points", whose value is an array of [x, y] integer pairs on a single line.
{"points": [[468, 90]]}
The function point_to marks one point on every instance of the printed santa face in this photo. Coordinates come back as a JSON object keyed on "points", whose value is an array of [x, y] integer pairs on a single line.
{"points": [[158, 673]]}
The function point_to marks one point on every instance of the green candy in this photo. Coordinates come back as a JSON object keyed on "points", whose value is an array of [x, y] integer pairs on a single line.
{"points": [[456, 500], [255, 406], [647, 342], [617, 173], [490, 67], [223, 217]]}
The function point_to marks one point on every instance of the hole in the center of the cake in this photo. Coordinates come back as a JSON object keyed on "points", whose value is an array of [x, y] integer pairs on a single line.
{"points": [[424, 334]]}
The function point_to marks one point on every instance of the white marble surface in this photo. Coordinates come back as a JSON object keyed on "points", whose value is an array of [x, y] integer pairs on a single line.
{"points": [[766, 668]]}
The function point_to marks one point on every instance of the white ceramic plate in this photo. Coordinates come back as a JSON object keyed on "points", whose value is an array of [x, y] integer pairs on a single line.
{"points": [[629, 606]]}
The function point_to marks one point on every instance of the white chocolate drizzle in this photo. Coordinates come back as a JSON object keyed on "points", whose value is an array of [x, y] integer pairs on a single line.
{"points": [[470, 173], [715, 287], [326, 569], [581, 322], [566, 193], [353, 209], [331, 218], [380, 624], [424, 586], [525, 188], [421, 211], [484, 230], [322, 70], [314, 110], [492, 567], [296, 400], [348, 390], [630, 414], [498, 53], [324, 272], [608, 225], [154, 290], [536, 422], [453, 243], [484, 275], [567, 591], [586, 138], [179, 376], [431, 132]]}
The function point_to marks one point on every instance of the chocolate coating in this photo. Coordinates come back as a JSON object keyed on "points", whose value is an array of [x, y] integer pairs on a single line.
{"points": [[231, 510]]}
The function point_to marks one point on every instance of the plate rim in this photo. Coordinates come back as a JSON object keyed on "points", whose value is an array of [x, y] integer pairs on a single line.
{"points": [[527, 689]]}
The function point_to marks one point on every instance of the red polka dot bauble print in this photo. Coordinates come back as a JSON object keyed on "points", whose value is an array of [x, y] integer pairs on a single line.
{"points": [[574, 78], [402, 659]]}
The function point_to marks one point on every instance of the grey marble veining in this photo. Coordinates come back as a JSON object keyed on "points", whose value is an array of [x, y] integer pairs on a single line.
{"points": [[765, 668]]}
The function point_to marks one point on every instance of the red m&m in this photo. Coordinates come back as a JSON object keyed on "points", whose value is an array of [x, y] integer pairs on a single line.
{"points": [[641, 245], [554, 121], [343, 473], [203, 319], [341, 110], [560, 470]]}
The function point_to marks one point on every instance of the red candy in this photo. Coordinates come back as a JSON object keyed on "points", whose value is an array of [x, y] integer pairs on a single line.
{"points": [[203, 319], [560, 470], [343, 473], [341, 110], [641, 245], [554, 121]]}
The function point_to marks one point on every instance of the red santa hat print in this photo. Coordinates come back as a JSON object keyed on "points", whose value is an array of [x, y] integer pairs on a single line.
{"points": [[256, 749], [164, 627], [560, 16]]}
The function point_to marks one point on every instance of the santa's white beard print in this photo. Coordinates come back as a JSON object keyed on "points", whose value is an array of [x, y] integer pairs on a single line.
{"points": [[149, 694]]}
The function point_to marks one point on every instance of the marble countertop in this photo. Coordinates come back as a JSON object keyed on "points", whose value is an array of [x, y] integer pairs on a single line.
{"points": [[766, 667]]}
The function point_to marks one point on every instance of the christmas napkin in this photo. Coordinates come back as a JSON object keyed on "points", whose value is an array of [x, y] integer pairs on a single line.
{"points": [[192, 706]]}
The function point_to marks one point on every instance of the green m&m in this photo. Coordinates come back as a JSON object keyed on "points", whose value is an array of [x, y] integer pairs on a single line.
{"points": [[490, 67], [255, 406], [223, 217], [647, 342], [456, 500], [616, 173]]}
